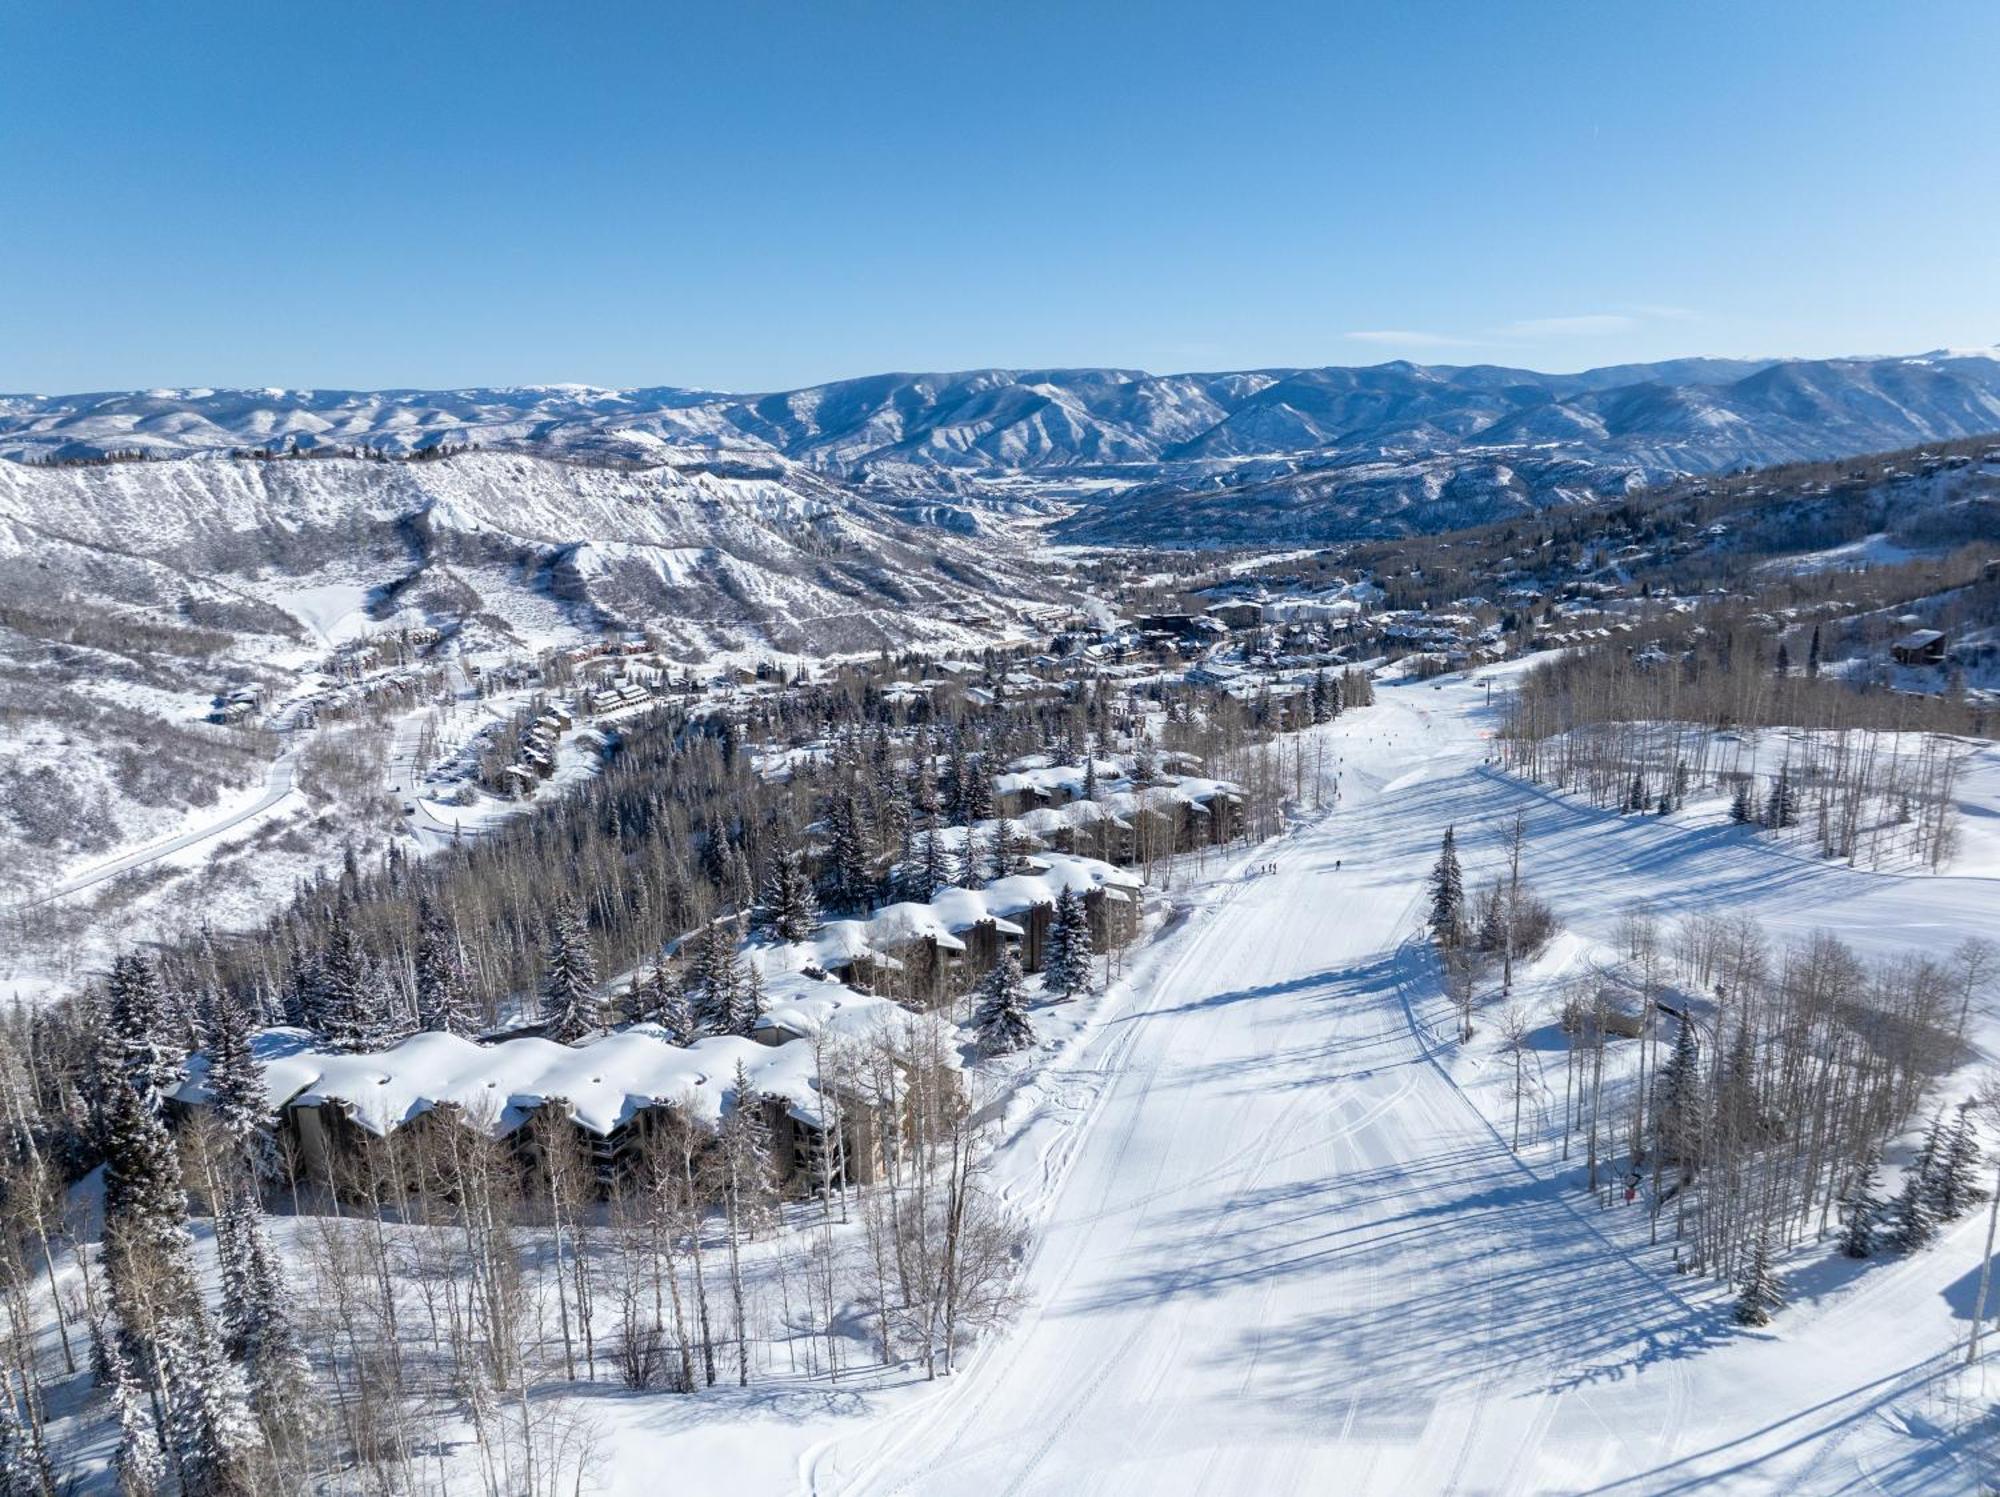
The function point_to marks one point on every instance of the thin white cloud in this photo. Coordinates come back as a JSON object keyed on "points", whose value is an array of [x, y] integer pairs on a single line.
{"points": [[1406, 338]]}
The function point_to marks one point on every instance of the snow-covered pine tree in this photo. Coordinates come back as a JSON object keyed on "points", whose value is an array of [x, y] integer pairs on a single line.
{"points": [[978, 794], [934, 873], [1002, 1017], [257, 1325], [791, 909], [714, 975], [569, 983], [1857, 1236], [353, 1007], [1447, 919], [140, 1465], [1067, 968], [442, 1003], [972, 860], [848, 873], [742, 1002], [140, 1047], [1761, 1292], [236, 1089], [215, 1441], [144, 1200], [666, 1004]]}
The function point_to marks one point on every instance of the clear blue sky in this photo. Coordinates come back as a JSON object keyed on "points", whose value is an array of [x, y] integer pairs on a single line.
{"points": [[751, 196]]}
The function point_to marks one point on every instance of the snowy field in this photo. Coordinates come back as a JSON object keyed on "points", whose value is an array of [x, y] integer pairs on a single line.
{"points": [[1284, 1247]]}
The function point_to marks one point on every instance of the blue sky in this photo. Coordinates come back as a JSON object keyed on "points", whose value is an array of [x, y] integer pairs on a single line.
{"points": [[750, 196]]}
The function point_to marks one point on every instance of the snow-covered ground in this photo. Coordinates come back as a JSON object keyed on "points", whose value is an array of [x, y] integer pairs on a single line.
{"points": [[1283, 1248]]}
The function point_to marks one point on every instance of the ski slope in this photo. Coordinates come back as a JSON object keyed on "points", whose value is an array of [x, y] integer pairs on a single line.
{"points": [[1281, 1249]]}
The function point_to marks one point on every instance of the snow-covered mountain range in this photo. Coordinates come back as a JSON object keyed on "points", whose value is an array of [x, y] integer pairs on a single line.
{"points": [[1686, 413], [1182, 458]]}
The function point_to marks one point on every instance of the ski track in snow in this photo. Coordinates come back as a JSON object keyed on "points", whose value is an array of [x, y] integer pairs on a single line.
{"points": [[1280, 1250]]}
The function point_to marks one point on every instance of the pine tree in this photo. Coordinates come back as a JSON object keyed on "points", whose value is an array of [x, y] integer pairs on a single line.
{"points": [[972, 861], [215, 1441], [140, 1465], [1954, 1172], [714, 975], [666, 1005], [1067, 968], [1742, 809], [569, 983], [1448, 894], [742, 1002], [1915, 1223], [791, 910], [933, 875], [1812, 655], [140, 1047], [442, 1005], [1782, 810], [1857, 1238], [256, 1320], [237, 1094], [1679, 1101], [354, 1013], [1784, 660], [1761, 1293], [847, 855], [144, 1201], [1002, 1018]]}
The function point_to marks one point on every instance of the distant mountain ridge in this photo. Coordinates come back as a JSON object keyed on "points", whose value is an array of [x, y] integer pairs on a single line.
{"points": [[1688, 413], [1443, 443]]}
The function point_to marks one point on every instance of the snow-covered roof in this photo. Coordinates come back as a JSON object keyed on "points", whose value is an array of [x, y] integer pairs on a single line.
{"points": [[891, 929], [498, 1087]]}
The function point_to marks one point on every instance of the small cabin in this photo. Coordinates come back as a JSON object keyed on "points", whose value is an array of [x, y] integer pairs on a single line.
{"points": [[1920, 647]]}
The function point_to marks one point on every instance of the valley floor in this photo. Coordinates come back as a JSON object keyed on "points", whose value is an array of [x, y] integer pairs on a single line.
{"points": [[1282, 1248]]}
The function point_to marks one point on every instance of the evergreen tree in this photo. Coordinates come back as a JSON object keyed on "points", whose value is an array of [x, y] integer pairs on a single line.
{"points": [[1067, 969], [442, 1004], [235, 1084], [1953, 1174], [1742, 809], [569, 983], [1679, 1100], [1002, 1017], [1857, 1238], [791, 910], [1784, 660], [1448, 894], [256, 1320], [848, 864], [353, 1014], [1915, 1223], [742, 1001], [714, 974], [972, 861], [1812, 655], [140, 1046], [140, 1465], [934, 873], [666, 1004], [1761, 1292], [1782, 810]]}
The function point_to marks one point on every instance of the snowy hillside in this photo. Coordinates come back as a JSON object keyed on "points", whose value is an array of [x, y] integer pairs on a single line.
{"points": [[781, 558], [1279, 441]]}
